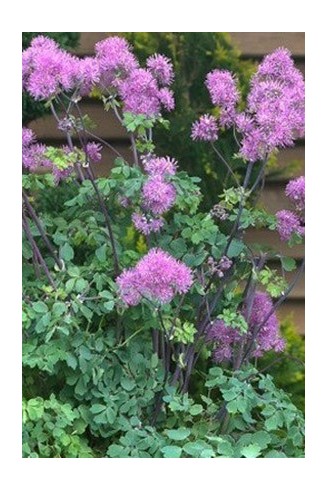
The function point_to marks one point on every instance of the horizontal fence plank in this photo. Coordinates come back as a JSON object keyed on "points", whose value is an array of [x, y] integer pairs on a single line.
{"points": [[106, 123], [271, 239], [249, 43], [259, 43]]}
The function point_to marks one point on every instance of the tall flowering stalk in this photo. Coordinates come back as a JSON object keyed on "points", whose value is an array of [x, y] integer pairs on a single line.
{"points": [[191, 275]]}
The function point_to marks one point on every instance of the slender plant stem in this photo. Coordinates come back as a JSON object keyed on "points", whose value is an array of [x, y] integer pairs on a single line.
{"points": [[107, 219], [69, 141], [104, 143], [36, 220], [231, 172], [36, 250]]}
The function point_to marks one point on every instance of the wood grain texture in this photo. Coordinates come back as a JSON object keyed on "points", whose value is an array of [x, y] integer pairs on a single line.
{"points": [[259, 43], [249, 43]]}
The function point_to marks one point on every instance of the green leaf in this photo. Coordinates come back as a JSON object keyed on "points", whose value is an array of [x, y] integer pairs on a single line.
{"points": [[128, 384], [207, 453], [97, 408], [288, 263], [273, 422], [110, 415], [275, 454], [71, 361], [35, 408], [109, 305], [194, 449], [40, 307], [262, 438], [101, 253], [66, 252], [251, 451], [235, 248], [196, 409], [179, 247], [229, 395], [179, 434], [58, 309], [171, 451], [116, 451]]}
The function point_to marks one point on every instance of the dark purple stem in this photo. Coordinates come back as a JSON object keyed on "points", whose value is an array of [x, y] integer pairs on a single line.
{"points": [[36, 220]]}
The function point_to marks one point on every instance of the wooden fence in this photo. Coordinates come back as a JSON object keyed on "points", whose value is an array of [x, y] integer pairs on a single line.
{"points": [[252, 45]]}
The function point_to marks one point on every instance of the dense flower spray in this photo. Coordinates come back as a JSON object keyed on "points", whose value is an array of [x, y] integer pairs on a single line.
{"points": [[295, 191], [33, 153], [205, 129], [158, 196], [227, 339], [160, 166], [47, 69], [157, 276], [147, 225], [274, 113], [290, 222]]}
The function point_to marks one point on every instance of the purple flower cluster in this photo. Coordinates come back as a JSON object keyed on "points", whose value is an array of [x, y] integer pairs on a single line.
{"points": [[141, 94], [93, 151], [161, 68], [115, 60], [275, 107], [147, 225], [157, 276], [33, 153], [224, 93], [295, 191], [157, 194], [160, 166], [266, 335], [274, 115], [289, 222], [205, 129], [219, 268], [48, 70]]}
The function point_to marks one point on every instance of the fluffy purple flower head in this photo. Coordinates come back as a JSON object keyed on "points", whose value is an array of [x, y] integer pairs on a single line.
{"points": [[295, 191], [253, 146], [275, 106], [261, 320], [93, 151], [224, 94], [157, 276], [160, 166], [278, 65], [33, 153], [162, 69], [205, 129], [116, 60], [288, 223], [60, 174], [158, 196], [223, 338], [166, 98], [28, 137], [88, 74], [147, 225], [268, 337], [139, 93], [47, 69]]}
